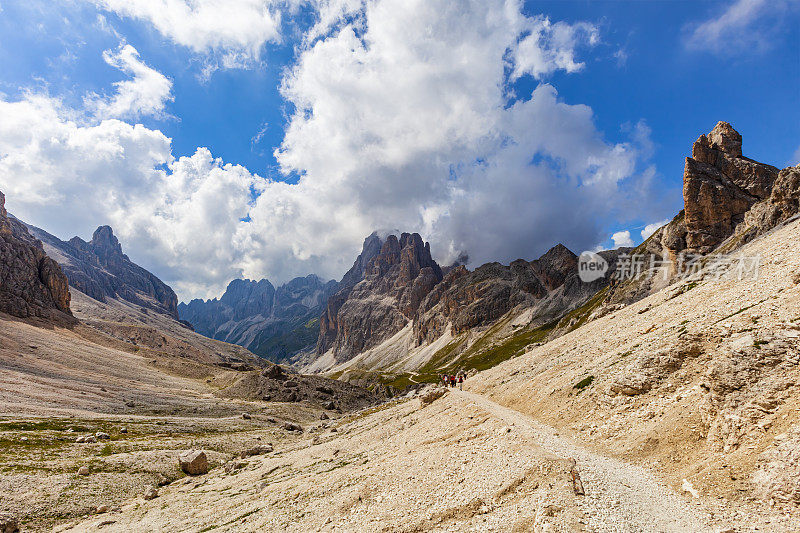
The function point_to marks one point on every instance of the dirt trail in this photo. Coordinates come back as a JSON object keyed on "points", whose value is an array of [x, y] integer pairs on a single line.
{"points": [[619, 496]]}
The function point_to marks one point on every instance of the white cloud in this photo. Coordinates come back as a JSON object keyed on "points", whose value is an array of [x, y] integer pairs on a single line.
{"points": [[176, 216], [551, 46], [743, 25], [401, 120], [651, 228], [622, 239], [146, 94], [236, 29]]}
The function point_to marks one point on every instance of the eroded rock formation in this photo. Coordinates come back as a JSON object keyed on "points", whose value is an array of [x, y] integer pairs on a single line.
{"points": [[719, 186], [31, 283], [395, 281]]}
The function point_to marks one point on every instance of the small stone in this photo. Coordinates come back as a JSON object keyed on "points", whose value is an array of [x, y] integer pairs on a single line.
{"points": [[291, 426], [235, 465], [102, 436], [24, 439], [90, 439], [83, 471], [194, 462], [150, 493], [324, 416], [123, 430], [261, 449], [8, 523], [246, 416], [80, 439], [100, 509], [130, 404]]}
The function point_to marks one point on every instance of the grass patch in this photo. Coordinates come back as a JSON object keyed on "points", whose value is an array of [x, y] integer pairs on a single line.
{"points": [[482, 358], [106, 451], [42, 425], [759, 343], [585, 382], [742, 310]]}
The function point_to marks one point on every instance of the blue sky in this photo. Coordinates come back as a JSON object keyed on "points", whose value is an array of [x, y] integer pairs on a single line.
{"points": [[600, 112]]}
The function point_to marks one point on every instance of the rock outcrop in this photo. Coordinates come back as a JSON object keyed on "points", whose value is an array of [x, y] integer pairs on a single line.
{"points": [[101, 270], [273, 323], [31, 283], [782, 205], [720, 186], [395, 282]]}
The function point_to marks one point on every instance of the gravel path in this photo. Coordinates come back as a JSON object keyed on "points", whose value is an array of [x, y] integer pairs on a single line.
{"points": [[620, 497]]}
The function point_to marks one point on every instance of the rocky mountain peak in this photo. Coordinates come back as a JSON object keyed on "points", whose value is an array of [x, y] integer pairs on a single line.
{"points": [[105, 243], [555, 266], [5, 226], [395, 281], [724, 138], [101, 270]]}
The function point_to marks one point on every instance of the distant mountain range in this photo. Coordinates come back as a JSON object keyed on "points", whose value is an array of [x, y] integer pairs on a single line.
{"points": [[274, 323], [397, 314]]}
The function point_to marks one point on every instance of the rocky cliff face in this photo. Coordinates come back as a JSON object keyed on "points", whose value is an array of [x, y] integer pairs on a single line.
{"points": [[720, 186], [31, 283], [273, 323], [396, 278], [469, 299], [101, 270], [329, 321]]}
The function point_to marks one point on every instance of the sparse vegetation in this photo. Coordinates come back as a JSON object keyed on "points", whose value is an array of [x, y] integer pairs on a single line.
{"points": [[585, 382]]}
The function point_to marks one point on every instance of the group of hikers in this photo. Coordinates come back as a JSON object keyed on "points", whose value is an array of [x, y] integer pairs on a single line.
{"points": [[454, 380]]}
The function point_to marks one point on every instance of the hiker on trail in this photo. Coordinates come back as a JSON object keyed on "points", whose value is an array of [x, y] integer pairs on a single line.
{"points": [[444, 379], [452, 381], [461, 381]]}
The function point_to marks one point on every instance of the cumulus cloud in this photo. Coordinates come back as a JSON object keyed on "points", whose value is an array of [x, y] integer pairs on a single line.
{"points": [[622, 239], [145, 94], [549, 47], [400, 116], [236, 29], [651, 228], [403, 113], [70, 177], [742, 25]]}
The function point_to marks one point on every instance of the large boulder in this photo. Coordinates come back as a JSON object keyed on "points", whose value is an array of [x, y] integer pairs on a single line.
{"points": [[194, 462]]}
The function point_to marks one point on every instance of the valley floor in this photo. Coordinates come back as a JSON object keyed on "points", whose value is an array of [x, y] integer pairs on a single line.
{"points": [[461, 463]]}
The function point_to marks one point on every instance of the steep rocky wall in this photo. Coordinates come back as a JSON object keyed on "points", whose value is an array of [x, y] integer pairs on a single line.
{"points": [[31, 283]]}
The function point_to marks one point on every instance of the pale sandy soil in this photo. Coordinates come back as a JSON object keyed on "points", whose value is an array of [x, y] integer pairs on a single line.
{"points": [[461, 463]]}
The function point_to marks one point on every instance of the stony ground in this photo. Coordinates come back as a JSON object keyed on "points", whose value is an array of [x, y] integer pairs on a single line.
{"points": [[461, 463]]}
